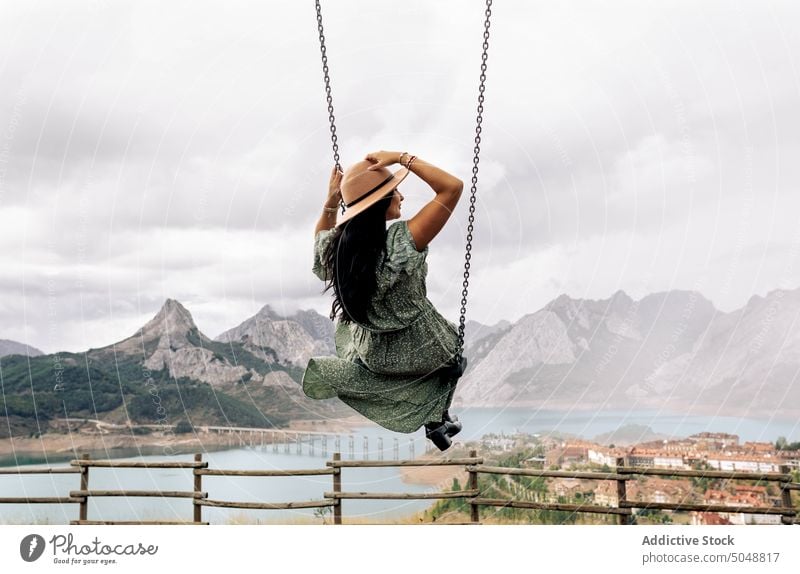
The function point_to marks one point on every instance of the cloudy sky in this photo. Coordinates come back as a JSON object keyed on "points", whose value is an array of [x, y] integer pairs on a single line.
{"points": [[181, 149]]}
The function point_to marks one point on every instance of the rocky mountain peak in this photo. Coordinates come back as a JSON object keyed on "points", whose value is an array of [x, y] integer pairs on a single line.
{"points": [[620, 297], [267, 312], [318, 327], [620, 294], [293, 339], [172, 319], [560, 302]]}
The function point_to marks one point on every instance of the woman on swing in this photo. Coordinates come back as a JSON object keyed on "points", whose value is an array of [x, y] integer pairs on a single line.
{"points": [[396, 353]]}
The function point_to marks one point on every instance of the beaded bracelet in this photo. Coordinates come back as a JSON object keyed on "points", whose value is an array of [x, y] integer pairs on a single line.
{"points": [[410, 161]]}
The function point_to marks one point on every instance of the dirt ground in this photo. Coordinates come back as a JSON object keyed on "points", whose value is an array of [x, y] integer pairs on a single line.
{"points": [[438, 476]]}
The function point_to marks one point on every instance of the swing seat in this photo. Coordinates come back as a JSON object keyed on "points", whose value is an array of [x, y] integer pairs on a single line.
{"points": [[449, 371]]}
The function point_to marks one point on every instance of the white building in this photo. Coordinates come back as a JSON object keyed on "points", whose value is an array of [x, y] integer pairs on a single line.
{"points": [[745, 464], [665, 460], [602, 457]]}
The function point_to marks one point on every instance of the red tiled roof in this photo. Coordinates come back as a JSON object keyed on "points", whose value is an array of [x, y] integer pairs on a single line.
{"points": [[712, 518]]}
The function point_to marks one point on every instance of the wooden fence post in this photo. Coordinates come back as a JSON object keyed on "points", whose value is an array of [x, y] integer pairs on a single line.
{"points": [[621, 493], [84, 505], [198, 487], [337, 488], [474, 509], [786, 495]]}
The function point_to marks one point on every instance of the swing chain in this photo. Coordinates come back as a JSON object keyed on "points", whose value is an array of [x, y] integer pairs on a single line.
{"points": [[475, 161], [331, 118], [473, 190]]}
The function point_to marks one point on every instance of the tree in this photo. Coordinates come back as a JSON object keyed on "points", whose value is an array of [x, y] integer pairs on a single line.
{"points": [[322, 513], [183, 427]]}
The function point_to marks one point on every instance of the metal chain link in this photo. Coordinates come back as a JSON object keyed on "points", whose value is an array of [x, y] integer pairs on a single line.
{"points": [[475, 160], [331, 118]]}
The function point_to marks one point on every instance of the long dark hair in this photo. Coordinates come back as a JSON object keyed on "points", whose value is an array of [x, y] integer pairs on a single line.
{"points": [[351, 262]]}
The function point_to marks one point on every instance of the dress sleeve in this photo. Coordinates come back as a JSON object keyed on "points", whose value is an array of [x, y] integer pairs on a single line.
{"points": [[402, 254], [321, 241]]}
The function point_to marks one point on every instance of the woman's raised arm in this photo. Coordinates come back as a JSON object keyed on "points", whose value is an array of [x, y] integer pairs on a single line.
{"points": [[329, 211], [430, 220]]}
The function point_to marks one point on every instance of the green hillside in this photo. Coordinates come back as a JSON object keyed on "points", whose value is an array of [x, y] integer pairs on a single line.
{"points": [[115, 387]]}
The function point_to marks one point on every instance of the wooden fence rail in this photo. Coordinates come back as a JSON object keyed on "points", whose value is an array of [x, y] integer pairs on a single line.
{"points": [[473, 465]]}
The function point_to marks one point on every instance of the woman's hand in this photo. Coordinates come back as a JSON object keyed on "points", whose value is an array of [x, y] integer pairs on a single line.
{"points": [[381, 159], [334, 189]]}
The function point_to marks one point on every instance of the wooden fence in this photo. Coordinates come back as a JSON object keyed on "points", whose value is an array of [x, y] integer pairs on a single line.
{"points": [[471, 495]]}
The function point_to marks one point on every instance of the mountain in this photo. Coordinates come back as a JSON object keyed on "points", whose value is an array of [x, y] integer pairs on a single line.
{"points": [[479, 339], [474, 331], [629, 434], [167, 371], [745, 362], [171, 341], [8, 347], [293, 339], [319, 327], [670, 350]]}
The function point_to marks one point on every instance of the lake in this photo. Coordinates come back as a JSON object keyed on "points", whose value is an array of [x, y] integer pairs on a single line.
{"points": [[365, 443]]}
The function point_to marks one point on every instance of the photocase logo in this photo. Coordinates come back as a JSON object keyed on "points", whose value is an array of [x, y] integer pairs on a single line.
{"points": [[31, 547]]}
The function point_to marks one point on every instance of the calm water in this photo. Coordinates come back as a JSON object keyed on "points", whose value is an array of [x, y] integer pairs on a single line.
{"points": [[250, 489], [365, 444]]}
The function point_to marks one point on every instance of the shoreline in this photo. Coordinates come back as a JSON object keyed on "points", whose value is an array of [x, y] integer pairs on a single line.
{"points": [[69, 445], [62, 447], [439, 477]]}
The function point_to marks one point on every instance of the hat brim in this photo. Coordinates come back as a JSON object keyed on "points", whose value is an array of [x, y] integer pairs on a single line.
{"points": [[374, 197]]}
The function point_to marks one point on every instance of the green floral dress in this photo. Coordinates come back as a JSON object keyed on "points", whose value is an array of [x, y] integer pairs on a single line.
{"points": [[385, 369]]}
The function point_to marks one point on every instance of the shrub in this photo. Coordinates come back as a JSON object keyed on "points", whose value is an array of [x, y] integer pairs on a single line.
{"points": [[183, 427]]}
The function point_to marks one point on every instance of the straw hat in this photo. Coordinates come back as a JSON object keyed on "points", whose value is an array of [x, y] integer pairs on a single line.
{"points": [[362, 188]]}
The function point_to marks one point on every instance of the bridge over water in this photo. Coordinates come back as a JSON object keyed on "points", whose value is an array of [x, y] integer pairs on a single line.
{"points": [[312, 443], [289, 441]]}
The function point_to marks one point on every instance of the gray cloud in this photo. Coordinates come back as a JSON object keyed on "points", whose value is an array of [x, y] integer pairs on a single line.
{"points": [[152, 150]]}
